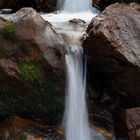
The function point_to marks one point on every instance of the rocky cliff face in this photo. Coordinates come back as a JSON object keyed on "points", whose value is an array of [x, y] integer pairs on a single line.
{"points": [[112, 47], [31, 66]]}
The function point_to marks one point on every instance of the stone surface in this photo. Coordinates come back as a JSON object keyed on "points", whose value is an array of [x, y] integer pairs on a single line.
{"points": [[112, 47], [8, 68], [34, 36], [131, 121], [40, 5], [28, 43], [102, 4], [16, 128]]}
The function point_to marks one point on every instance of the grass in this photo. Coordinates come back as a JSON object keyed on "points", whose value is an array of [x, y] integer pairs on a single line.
{"points": [[31, 72], [8, 30], [45, 103]]}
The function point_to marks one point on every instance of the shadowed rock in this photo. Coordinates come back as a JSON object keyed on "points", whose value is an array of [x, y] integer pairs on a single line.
{"points": [[112, 47]]}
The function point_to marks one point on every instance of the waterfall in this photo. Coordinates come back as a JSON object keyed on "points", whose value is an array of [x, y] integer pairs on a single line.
{"points": [[76, 122], [77, 6], [77, 126]]}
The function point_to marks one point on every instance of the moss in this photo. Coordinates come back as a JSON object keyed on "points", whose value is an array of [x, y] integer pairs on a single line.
{"points": [[8, 30], [31, 72], [42, 98]]}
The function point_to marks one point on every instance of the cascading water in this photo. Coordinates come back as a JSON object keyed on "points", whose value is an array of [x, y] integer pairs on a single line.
{"points": [[77, 6], [77, 127], [76, 117]]}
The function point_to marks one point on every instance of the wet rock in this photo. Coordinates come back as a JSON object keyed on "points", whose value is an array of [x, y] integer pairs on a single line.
{"points": [[131, 121], [112, 47], [77, 21]]}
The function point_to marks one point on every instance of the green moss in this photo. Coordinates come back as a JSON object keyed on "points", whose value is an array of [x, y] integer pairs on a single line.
{"points": [[8, 30], [42, 97], [31, 72]]}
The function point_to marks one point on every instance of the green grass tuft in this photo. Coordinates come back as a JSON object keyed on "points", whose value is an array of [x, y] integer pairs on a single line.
{"points": [[31, 72], [8, 30]]}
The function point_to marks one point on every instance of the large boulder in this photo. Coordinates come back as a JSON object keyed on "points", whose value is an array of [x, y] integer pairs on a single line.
{"points": [[30, 53], [131, 123], [112, 47], [102, 4]]}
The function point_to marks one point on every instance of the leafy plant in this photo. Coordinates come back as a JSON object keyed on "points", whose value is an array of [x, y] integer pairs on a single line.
{"points": [[8, 30]]}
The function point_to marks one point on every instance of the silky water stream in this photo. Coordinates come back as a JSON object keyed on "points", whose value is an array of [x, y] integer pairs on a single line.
{"points": [[76, 121]]}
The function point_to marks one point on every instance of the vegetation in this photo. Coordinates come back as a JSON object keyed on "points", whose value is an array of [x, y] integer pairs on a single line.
{"points": [[8, 30], [42, 97], [48, 102], [31, 72]]}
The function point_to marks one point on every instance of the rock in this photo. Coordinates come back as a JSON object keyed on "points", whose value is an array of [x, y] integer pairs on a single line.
{"points": [[19, 128], [8, 68], [30, 53], [102, 4], [45, 5], [34, 36], [112, 47], [131, 121], [77, 21]]}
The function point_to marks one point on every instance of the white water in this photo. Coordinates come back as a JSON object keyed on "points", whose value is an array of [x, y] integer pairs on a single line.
{"points": [[76, 117], [76, 6], [77, 127], [70, 9]]}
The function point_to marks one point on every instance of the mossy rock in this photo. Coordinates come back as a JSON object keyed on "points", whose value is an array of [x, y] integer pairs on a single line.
{"points": [[8, 30]]}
